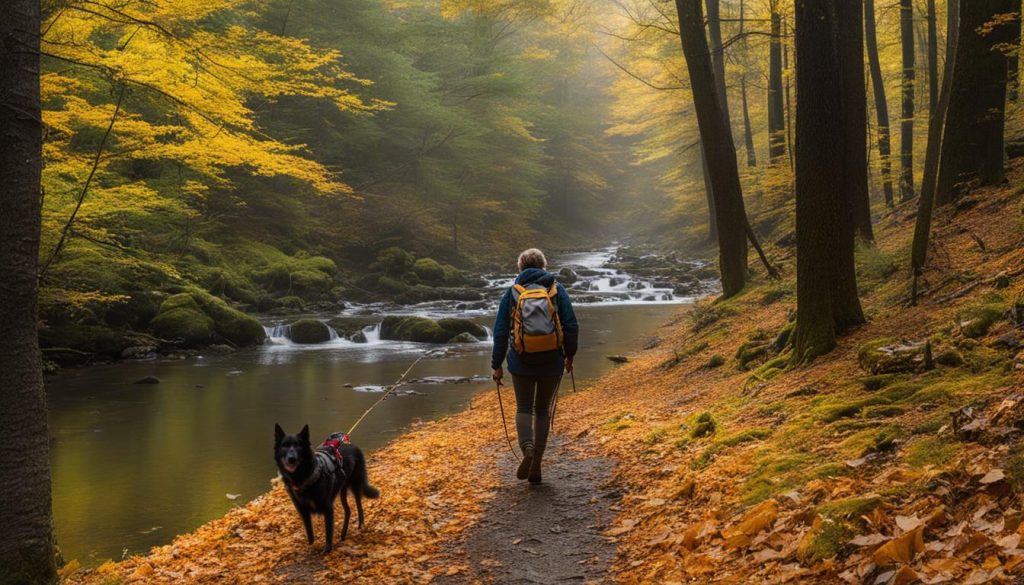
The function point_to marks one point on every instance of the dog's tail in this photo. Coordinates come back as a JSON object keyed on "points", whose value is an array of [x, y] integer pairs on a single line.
{"points": [[361, 481]]}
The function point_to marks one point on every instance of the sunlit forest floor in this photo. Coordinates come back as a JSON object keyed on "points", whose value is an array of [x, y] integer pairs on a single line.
{"points": [[890, 460]]}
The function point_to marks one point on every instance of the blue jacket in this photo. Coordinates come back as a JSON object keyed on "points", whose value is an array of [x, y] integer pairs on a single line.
{"points": [[544, 364]]}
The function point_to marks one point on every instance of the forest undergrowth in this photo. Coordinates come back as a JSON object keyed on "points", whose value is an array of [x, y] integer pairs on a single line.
{"points": [[896, 458]]}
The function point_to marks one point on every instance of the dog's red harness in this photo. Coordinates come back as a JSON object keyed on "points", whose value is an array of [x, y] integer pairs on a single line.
{"points": [[330, 448]]}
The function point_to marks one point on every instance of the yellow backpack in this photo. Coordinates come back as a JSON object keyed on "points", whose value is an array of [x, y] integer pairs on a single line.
{"points": [[535, 324]]}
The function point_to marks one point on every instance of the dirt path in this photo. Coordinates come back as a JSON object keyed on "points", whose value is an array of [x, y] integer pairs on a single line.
{"points": [[546, 533]]}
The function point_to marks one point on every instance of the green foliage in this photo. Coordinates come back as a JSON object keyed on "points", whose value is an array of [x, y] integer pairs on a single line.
{"points": [[716, 361]]}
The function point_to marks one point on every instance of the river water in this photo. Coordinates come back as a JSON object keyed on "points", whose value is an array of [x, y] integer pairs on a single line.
{"points": [[133, 465]]}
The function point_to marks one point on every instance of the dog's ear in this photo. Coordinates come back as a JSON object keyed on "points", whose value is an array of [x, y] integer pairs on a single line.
{"points": [[304, 433], [278, 433]]}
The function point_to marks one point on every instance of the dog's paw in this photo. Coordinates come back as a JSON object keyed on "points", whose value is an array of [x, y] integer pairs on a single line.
{"points": [[327, 549]]}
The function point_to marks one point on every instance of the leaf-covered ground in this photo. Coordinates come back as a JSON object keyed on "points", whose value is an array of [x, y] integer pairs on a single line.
{"points": [[864, 467]]}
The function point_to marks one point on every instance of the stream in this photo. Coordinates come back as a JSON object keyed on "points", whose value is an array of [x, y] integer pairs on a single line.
{"points": [[133, 465]]}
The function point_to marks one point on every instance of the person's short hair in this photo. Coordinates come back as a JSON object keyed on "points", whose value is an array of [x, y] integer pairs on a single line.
{"points": [[532, 258]]}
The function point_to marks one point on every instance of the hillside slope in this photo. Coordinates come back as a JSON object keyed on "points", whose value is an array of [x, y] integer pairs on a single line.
{"points": [[733, 468]]}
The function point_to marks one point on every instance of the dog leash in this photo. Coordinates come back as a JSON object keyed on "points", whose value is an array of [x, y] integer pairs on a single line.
{"points": [[391, 389], [504, 425]]}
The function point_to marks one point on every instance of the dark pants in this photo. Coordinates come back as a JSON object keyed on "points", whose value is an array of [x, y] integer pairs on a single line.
{"points": [[533, 409]]}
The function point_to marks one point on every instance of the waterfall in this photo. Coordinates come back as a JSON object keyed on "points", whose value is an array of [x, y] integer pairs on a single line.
{"points": [[279, 334], [372, 333]]}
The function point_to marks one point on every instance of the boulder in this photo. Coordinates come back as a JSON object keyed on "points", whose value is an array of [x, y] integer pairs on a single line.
{"points": [[198, 318], [463, 338], [889, 356], [423, 330], [567, 276], [429, 270], [309, 331]]}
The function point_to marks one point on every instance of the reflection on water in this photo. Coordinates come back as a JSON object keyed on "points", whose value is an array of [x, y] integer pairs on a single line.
{"points": [[134, 465]]}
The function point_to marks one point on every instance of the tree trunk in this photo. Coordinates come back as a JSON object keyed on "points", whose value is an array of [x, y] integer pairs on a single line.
{"points": [[790, 139], [776, 108], [881, 105], [714, 20], [972, 141], [828, 43], [723, 171], [936, 126], [748, 131], [907, 110], [855, 118], [26, 544], [710, 194], [933, 59], [1013, 58]]}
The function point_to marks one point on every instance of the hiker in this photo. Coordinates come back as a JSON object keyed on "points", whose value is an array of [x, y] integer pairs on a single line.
{"points": [[536, 326]]}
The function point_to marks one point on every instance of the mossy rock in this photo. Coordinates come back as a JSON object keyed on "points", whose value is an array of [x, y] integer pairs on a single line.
{"points": [[352, 327], [463, 338], [429, 270], [307, 331], [191, 325], [199, 318], [423, 330], [231, 324], [716, 361], [891, 356]]}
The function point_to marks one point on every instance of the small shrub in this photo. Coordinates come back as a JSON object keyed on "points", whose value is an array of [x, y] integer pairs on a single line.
{"points": [[716, 361], [703, 426]]}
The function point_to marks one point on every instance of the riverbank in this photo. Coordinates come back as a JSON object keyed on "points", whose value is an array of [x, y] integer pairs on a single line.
{"points": [[893, 459]]}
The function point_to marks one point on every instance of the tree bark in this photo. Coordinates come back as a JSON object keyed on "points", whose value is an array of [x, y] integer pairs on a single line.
{"points": [[1013, 59], [933, 59], [907, 109], [26, 543], [776, 108], [827, 150], [972, 141], [710, 194], [720, 152], [748, 131], [936, 126], [714, 20], [881, 105]]}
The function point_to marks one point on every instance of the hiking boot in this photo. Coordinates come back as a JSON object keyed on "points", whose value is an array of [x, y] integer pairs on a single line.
{"points": [[534, 475], [527, 463]]}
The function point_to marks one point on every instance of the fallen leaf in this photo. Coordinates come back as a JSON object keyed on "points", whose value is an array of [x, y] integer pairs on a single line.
{"points": [[901, 549], [908, 523], [993, 476]]}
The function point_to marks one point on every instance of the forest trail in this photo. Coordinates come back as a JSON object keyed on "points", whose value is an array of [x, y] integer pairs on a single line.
{"points": [[546, 533]]}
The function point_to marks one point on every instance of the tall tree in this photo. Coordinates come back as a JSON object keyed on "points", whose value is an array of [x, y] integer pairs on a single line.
{"points": [[972, 141], [829, 145], [714, 18], [881, 105], [1013, 58], [748, 131], [776, 108], [27, 543], [907, 109], [933, 58], [720, 153], [936, 126]]}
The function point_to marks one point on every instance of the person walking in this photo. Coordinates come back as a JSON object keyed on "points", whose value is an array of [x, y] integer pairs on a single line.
{"points": [[537, 329]]}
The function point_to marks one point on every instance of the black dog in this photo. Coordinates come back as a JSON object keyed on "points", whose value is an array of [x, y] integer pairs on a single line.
{"points": [[314, 478]]}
